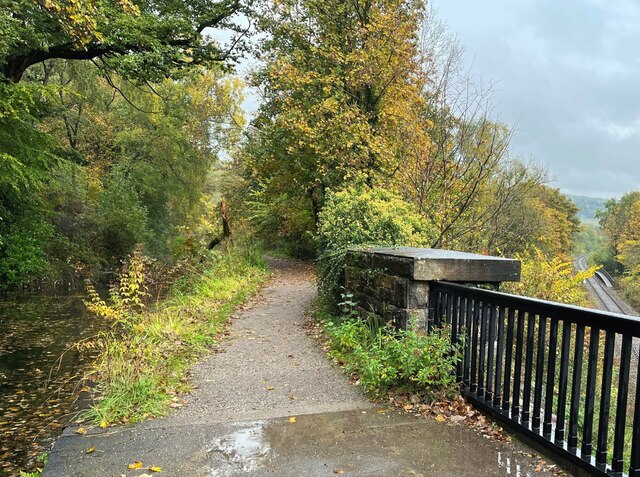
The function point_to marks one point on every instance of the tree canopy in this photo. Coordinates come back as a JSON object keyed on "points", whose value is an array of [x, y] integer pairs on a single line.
{"points": [[341, 86], [142, 39]]}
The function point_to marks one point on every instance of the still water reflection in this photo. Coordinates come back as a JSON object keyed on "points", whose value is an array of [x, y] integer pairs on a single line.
{"points": [[39, 373]]}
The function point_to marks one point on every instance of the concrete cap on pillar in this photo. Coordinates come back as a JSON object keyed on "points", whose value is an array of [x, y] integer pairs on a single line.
{"points": [[425, 264]]}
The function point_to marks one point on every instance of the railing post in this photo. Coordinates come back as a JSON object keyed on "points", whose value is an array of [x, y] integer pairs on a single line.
{"points": [[513, 347]]}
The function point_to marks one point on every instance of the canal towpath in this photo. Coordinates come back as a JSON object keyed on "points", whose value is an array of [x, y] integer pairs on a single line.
{"points": [[269, 402]]}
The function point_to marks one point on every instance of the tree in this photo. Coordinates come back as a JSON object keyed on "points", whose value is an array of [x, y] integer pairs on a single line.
{"points": [[466, 181], [620, 221], [124, 171], [620, 218], [146, 40], [550, 279], [341, 84]]}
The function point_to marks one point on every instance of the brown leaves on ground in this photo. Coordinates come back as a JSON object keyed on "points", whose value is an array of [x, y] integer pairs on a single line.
{"points": [[458, 410], [452, 411], [313, 328]]}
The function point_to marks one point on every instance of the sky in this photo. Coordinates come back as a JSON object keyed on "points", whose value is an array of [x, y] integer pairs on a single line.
{"points": [[567, 76]]}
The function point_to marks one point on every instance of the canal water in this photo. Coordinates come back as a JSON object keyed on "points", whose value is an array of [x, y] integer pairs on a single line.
{"points": [[40, 373]]}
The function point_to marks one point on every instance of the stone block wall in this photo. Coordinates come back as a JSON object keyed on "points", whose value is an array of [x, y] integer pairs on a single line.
{"points": [[393, 283]]}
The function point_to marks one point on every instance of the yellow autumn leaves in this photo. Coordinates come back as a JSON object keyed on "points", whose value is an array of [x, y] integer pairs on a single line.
{"points": [[79, 17], [138, 465]]}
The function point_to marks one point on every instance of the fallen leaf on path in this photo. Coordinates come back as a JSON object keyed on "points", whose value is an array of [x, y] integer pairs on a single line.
{"points": [[269, 388], [338, 471], [91, 450], [441, 418], [81, 430], [103, 424], [136, 465], [292, 420], [154, 468]]}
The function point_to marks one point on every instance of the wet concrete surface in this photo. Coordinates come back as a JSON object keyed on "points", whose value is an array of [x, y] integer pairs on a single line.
{"points": [[238, 422], [350, 443]]}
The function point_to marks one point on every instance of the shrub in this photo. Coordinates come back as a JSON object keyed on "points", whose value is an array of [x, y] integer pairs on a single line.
{"points": [[23, 252], [385, 358], [360, 216], [144, 355], [550, 279]]}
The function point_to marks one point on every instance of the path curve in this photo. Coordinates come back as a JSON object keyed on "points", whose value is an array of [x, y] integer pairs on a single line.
{"points": [[267, 368], [269, 403]]}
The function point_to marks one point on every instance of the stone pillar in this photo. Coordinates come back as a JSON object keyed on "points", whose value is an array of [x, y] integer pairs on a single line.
{"points": [[392, 283]]}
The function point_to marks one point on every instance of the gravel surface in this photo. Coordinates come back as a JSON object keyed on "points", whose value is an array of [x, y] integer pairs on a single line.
{"points": [[268, 402], [268, 366]]}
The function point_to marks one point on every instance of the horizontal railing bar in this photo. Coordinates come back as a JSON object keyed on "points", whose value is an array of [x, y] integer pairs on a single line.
{"points": [[562, 451], [614, 322], [516, 348]]}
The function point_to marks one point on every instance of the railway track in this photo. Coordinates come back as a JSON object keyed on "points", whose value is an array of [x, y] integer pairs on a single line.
{"points": [[601, 287]]}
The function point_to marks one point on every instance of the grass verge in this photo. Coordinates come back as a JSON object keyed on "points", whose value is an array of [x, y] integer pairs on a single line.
{"points": [[144, 358]]}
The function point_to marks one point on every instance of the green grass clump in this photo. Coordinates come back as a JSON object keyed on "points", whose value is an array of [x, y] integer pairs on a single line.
{"points": [[386, 359], [145, 356]]}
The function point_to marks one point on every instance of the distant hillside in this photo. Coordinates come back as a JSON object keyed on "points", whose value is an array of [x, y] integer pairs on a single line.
{"points": [[587, 205]]}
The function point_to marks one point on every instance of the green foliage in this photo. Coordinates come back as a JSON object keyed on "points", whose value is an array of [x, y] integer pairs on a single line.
{"points": [[359, 216], [620, 221], [592, 242], [588, 239], [100, 170], [121, 221], [341, 84], [384, 358], [550, 279], [145, 355], [26, 158], [23, 252], [146, 40]]}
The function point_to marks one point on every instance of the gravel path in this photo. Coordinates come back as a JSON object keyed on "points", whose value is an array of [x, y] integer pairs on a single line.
{"points": [[268, 367], [269, 403]]}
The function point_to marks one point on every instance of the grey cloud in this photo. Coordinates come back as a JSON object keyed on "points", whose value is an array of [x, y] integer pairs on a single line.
{"points": [[568, 75]]}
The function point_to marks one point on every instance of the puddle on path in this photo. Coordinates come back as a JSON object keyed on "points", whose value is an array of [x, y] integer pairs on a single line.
{"points": [[511, 465], [362, 443], [241, 450]]}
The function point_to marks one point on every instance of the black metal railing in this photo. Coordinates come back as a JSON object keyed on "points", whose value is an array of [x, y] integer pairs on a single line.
{"points": [[565, 376]]}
